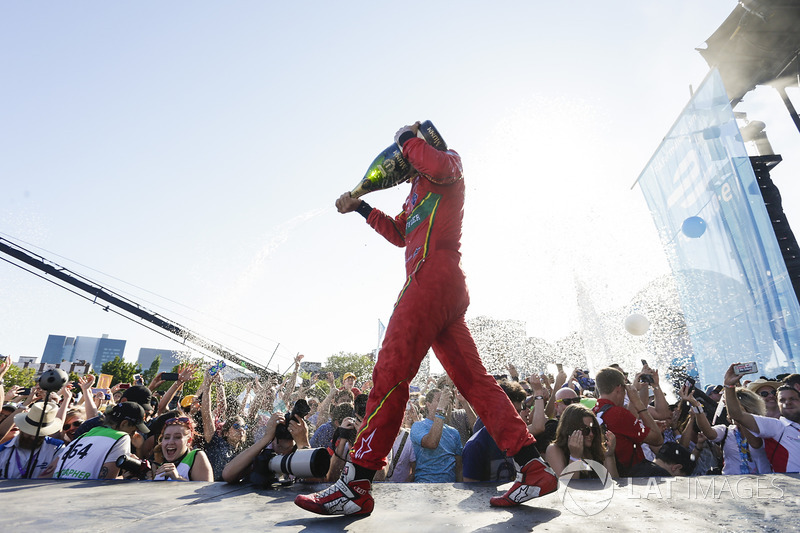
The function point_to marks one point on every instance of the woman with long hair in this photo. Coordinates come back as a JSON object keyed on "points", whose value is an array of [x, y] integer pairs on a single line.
{"points": [[579, 437], [175, 458]]}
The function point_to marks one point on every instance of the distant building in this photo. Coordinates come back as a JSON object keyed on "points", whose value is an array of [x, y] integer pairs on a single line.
{"points": [[92, 349], [169, 358], [70, 367], [58, 348]]}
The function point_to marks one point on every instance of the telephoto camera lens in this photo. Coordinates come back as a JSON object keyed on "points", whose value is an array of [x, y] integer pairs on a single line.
{"points": [[307, 463]]}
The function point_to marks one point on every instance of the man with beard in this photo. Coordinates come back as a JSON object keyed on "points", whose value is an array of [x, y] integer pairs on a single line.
{"points": [[15, 455]]}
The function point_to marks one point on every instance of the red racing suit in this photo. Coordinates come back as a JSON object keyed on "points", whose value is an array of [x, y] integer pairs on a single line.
{"points": [[429, 312]]}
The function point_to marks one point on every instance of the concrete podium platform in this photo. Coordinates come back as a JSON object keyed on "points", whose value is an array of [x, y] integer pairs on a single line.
{"points": [[709, 503]]}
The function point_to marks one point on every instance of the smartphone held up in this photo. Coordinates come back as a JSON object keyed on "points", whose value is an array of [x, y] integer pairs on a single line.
{"points": [[741, 369]]}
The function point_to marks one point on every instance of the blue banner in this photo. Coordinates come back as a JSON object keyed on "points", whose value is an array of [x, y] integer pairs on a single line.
{"points": [[736, 295]]}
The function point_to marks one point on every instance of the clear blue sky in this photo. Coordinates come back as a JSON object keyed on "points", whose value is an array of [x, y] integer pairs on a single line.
{"points": [[188, 154]]}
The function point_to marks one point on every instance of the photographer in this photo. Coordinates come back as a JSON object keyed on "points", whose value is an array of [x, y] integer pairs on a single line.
{"points": [[93, 455], [241, 466]]}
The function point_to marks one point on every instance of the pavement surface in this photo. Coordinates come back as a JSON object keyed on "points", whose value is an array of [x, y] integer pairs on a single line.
{"points": [[709, 503]]}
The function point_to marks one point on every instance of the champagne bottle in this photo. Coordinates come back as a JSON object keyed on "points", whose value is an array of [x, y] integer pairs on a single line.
{"points": [[390, 168], [429, 133]]}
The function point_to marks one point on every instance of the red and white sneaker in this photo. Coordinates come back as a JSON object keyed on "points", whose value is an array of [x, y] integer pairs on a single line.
{"points": [[345, 497], [533, 480]]}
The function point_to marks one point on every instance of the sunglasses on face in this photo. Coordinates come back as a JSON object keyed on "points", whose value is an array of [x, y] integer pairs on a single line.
{"points": [[74, 424], [767, 393], [586, 430], [237, 425], [568, 401]]}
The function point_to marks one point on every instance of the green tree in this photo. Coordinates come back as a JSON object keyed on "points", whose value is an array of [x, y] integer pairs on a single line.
{"points": [[123, 372], [24, 377], [358, 364], [151, 372]]}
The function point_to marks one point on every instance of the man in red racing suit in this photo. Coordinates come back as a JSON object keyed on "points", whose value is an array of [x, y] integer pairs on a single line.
{"points": [[428, 313]]}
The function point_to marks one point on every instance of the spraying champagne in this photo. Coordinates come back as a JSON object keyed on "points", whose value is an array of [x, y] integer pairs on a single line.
{"points": [[390, 168]]}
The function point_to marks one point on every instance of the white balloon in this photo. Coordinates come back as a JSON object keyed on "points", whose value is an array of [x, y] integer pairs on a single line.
{"points": [[637, 324]]}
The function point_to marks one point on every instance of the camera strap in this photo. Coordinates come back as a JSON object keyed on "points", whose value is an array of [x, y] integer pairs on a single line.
{"points": [[397, 455]]}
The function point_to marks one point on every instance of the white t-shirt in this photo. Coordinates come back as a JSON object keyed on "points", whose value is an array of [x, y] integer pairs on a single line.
{"points": [[14, 460], [758, 462]]}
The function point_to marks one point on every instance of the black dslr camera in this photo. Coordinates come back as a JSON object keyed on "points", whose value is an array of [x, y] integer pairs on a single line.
{"points": [[301, 408], [342, 433], [138, 468]]}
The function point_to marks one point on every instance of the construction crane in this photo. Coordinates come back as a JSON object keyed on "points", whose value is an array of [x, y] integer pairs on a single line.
{"points": [[121, 305]]}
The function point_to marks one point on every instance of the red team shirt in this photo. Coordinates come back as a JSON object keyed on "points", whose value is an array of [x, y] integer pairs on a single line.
{"points": [[782, 442], [628, 429]]}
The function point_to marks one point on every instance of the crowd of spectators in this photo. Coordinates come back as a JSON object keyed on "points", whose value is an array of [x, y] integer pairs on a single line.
{"points": [[622, 421]]}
